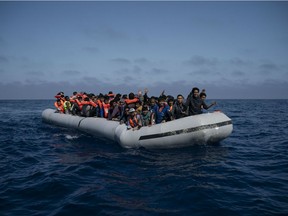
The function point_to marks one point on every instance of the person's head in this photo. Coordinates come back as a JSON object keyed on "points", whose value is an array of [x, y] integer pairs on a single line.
{"points": [[115, 102], [121, 102], [58, 101], [138, 104], [132, 112], [75, 93], [93, 98], [195, 92], [170, 102], [118, 96], [106, 99], [79, 98], [152, 101], [131, 96], [101, 97], [203, 95], [180, 98], [67, 98], [161, 101], [145, 110]]}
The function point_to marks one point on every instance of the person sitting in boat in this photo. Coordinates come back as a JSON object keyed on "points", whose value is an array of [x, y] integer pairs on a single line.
{"points": [[106, 106], [153, 105], [59, 105], [179, 109], [203, 96], [138, 107], [147, 116], [162, 114], [195, 104], [73, 96], [114, 110], [134, 120], [67, 105], [125, 115], [170, 103], [88, 107], [77, 106], [99, 109]]}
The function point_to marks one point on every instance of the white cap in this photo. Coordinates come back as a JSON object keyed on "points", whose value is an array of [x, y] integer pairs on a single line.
{"points": [[131, 110]]}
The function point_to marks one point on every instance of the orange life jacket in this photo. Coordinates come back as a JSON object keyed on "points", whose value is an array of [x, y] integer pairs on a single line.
{"points": [[133, 121], [79, 104], [111, 96], [130, 101], [59, 107], [100, 104], [106, 109]]}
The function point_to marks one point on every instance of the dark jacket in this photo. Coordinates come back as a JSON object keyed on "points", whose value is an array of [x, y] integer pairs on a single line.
{"points": [[195, 105], [179, 110]]}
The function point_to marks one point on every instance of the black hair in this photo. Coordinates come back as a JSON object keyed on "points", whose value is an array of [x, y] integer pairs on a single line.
{"points": [[180, 95], [131, 96], [195, 88], [203, 94], [144, 108], [170, 99], [106, 97]]}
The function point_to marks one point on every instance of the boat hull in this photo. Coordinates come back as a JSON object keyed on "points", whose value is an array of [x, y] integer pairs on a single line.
{"points": [[188, 131]]}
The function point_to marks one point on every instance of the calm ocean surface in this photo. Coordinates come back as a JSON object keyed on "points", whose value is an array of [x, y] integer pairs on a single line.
{"points": [[47, 170]]}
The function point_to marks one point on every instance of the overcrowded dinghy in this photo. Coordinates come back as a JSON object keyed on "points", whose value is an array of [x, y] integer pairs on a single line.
{"points": [[188, 131]]}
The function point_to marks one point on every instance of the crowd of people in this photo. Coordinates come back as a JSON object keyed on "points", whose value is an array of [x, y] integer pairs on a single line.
{"points": [[133, 110]]}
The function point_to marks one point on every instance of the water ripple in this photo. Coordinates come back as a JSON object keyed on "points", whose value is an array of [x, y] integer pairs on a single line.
{"points": [[47, 170]]}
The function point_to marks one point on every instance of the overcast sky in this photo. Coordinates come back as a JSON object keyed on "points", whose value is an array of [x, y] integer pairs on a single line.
{"points": [[232, 49]]}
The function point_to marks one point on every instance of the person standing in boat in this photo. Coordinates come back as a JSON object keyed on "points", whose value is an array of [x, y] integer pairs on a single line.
{"points": [[195, 104]]}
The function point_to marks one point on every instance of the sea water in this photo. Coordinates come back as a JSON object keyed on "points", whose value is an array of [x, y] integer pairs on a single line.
{"points": [[49, 170]]}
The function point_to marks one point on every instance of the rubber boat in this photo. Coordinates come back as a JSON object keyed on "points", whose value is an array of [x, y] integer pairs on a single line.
{"points": [[192, 130]]}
